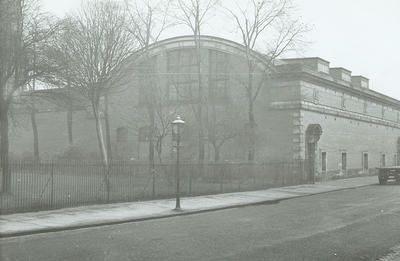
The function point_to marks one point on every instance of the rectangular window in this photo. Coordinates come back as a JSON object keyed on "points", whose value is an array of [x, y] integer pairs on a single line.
{"points": [[122, 134], [383, 160], [364, 84], [144, 134], [343, 102], [344, 161], [346, 77], [323, 161], [395, 160], [218, 75], [365, 107], [365, 161], [315, 96], [323, 68], [182, 78]]}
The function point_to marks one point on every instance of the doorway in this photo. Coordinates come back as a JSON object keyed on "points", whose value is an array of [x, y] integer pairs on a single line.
{"points": [[313, 134]]}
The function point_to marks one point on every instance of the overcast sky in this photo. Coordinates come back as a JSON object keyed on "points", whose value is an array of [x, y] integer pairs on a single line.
{"points": [[362, 36]]}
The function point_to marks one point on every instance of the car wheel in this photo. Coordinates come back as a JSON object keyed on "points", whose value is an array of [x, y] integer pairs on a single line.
{"points": [[382, 180], [397, 177]]}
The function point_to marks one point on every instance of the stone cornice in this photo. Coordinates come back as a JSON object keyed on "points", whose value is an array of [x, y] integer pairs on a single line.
{"points": [[308, 106], [301, 73]]}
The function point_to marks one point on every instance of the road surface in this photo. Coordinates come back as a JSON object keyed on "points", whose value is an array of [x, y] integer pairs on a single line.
{"points": [[354, 224]]}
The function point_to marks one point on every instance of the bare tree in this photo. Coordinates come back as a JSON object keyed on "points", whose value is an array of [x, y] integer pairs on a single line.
{"points": [[35, 23], [193, 14], [223, 125], [24, 32], [99, 45], [59, 77], [266, 25], [148, 20]]}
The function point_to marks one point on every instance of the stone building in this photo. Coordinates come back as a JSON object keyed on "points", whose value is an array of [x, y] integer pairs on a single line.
{"points": [[305, 110]]}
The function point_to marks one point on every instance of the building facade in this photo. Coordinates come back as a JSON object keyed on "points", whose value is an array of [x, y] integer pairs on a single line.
{"points": [[304, 110]]}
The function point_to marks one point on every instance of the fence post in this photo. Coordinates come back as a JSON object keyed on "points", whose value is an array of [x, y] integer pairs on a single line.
{"points": [[239, 177], [52, 185], [253, 172], [153, 191], [221, 184], [106, 177], [108, 183], [190, 180]]}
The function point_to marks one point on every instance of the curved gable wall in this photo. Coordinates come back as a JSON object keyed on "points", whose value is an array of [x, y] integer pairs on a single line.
{"points": [[208, 42]]}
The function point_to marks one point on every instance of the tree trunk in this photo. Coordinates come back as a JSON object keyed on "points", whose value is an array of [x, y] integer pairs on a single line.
{"points": [[107, 125], [36, 157], [251, 133], [201, 102], [4, 147], [100, 136], [159, 149], [252, 123], [103, 149], [151, 137], [151, 149], [70, 115], [69, 125]]}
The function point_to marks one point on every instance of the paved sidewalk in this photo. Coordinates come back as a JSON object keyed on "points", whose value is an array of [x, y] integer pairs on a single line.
{"points": [[87, 216]]}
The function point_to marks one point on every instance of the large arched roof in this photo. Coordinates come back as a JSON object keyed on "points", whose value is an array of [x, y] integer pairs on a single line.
{"points": [[206, 41]]}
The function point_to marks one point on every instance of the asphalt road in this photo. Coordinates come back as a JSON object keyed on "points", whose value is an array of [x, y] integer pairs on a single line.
{"points": [[355, 224]]}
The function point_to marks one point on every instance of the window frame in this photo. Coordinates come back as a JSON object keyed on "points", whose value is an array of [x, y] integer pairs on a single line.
{"points": [[365, 161], [324, 161], [344, 160]]}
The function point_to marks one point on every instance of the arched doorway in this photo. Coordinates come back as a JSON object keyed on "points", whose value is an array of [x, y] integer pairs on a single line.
{"points": [[313, 133]]}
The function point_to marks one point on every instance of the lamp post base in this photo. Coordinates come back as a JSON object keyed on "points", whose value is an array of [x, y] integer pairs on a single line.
{"points": [[177, 209]]}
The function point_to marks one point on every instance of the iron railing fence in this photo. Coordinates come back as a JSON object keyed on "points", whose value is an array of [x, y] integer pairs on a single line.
{"points": [[58, 184]]}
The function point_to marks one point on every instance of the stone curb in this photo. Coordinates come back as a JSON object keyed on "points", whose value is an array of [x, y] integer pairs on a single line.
{"points": [[171, 213]]}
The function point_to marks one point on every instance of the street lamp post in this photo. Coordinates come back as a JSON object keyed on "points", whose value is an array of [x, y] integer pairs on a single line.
{"points": [[177, 123]]}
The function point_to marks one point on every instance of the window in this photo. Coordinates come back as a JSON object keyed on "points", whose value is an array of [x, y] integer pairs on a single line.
{"points": [[364, 84], [146, 81], [144, 134], [183, 79], [122, 134], [346, 77], [395, 163], [323, 161], [365, 107], [383, 160], [323, 68], [383, 112], [343, 102], [344, 161], [315, 96], [218, 74], [365, 161]]}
